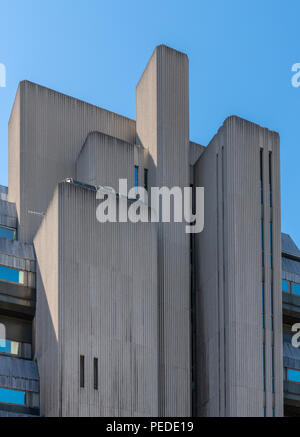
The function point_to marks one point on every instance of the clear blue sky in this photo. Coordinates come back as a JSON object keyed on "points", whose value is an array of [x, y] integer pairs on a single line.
{"points": [[241, 54]]}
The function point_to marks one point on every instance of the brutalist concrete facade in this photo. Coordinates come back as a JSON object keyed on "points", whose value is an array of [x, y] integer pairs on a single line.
{"points": [[143, 319]]}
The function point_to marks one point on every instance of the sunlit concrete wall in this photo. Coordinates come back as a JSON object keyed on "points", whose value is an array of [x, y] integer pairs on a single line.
{"points": [[229, 274], [99, 299]]}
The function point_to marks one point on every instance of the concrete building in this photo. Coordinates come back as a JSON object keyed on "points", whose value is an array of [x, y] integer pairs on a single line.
{"points": [[143, 319]]}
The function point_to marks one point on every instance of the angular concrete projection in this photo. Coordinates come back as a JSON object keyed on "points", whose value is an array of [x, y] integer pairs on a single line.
{"points": [[46, 132], [97, 298], [104, 160], [240, 170], [163, 128]]}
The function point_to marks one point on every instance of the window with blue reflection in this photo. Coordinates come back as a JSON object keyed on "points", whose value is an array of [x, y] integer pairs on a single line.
{"points": [[10, 234], [263, 304], [9, 347], [264, 367], [296, 289], [12, 396], [285, 286], [136, 176], [11, 275], [272, 370], [294, 375]]}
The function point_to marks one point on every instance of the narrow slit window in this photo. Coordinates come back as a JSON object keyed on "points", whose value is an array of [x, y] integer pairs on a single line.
{"points": [[270, 179], [261, 177], [146, 179], [272, 371], [82, 371], [136, 176], [96, 373], [263, 304]]}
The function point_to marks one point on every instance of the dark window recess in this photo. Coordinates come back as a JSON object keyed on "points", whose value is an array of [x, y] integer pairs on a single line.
{"points": [[146, 179], [270, 180], [96, 373], [81, 371], [261, 177], [136, 176]]}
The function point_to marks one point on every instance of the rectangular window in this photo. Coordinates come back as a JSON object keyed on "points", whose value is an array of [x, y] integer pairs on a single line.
{"points": [[271, 305], [294, 375], [96, 373], [272, 371], [9, 347], [261, 177], [11, 275], [264, 367], [136, 176], [12, 396], [146, 179], [270, 180], [296, 289], [8, 233], [285, 286], [262, 244], [271, 244], [263, 304], [82, 371]]}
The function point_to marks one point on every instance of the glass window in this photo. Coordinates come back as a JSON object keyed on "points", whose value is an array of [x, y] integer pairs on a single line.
{"points": [[270, 179], [296, 289], [82, 371], [8, 233], [285, 286], [261, 177], [136, 176], [294, 375], [272, 370], [271, 306], [264, 367], [263, 304], [146, 179], [9, 347], [11, 275], [96, 373], [12, 396]]}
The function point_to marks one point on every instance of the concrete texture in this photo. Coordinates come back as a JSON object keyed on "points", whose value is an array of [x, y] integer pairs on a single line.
{"points": [[100, 300]]}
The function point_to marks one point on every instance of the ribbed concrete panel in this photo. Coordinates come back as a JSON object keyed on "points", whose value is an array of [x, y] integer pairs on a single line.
{"points": [[104, 160], [163, 129], [46, 324], [48, 130], [17, 255], [289, 247], [229, 274], [105, 306], [18, 374], [14, 152], [195, 151], [3, 192], [8, 214]]}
